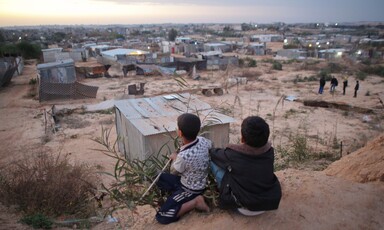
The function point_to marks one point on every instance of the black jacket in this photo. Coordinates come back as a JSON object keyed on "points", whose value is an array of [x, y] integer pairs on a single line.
{"points": [[249, 180]]}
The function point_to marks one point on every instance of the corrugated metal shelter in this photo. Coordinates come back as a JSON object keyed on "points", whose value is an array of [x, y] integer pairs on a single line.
{"points": [[57, 80], [8, 67], [113, 54], [49, 55], [143, 124]]}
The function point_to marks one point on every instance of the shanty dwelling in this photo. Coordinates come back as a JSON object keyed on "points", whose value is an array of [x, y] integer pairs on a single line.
{"points": [[332, 53], [256, 48], [215, 63], [187, 64], [49, 55], [114, 53], [223, 47], [9, 67], [144, 125], [292, 53], [57, 80], [267, 38]]}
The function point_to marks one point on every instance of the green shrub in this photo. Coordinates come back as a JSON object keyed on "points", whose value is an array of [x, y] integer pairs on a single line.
{"points": [[325, 74], [361, 76], [32, 81], [334, 67], [37, 221], [375, 70], [252, 63], [241, 62], [277, 65]]}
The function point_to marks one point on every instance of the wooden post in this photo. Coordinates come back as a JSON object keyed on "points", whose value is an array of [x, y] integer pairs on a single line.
{"points": [[45, 120], [341, 149]]}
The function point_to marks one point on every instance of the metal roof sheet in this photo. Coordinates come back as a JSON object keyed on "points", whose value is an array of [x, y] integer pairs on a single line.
{"points": [[62, 63], [159, 114], [121, 51]]}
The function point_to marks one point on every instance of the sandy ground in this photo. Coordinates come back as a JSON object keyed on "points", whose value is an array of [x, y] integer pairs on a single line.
{"points": [[311, 199]]}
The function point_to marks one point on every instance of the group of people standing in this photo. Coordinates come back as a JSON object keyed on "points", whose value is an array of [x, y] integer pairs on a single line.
{"points": [[335, 82]]}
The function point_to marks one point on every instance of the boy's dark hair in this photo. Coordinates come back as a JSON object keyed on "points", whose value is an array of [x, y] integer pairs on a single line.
{"points": [[189, 124], [255, 131]]}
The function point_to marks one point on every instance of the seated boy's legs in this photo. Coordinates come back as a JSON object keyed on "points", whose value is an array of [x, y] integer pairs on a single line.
{"points": [[218, 173], [168, 212], [168, 182]]}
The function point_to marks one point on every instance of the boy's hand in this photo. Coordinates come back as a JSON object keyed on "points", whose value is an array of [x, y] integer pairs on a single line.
{"points": [[173, 156]]}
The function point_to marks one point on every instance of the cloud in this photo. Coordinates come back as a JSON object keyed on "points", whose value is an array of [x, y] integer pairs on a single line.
{"points": [[184, 2]]}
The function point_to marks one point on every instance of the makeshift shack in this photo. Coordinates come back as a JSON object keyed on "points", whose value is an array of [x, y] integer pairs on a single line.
{"points": [[10, 66], [144, 125], [187, 64], [57, 80]]}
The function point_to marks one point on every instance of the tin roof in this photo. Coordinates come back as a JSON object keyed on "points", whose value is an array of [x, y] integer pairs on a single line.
{"points": [[62, 63], [121, 51], [52, 50], [159, 114]]}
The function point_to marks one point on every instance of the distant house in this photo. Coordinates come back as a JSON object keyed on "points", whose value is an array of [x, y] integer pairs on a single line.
{"points": [[331, 53], [216, 60], [222, 47], [179, 40], [49, 55], [256, 48], [267, 38], [122, 59], [9, 67], [292, 53], [114, 53], [188, 63], [144, 125], [57, 80]]}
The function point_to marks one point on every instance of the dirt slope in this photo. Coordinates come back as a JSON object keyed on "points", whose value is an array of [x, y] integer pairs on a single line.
{"points": [[364, 165], [331, 199], [311, 200]]}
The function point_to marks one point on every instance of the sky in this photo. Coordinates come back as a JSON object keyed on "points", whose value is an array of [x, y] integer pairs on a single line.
{"points": [[69, 12]]}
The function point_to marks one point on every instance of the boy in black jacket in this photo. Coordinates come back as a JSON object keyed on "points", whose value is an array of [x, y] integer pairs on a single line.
{"points": [[244, 172]]}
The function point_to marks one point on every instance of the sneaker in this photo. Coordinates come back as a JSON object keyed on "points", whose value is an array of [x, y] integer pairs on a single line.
{"points": [[246, 212]]}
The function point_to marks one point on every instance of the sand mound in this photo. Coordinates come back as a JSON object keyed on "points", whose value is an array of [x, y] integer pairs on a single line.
{"points": [[363, 165]]}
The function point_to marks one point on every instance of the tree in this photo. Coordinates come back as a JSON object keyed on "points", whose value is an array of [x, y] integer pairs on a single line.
{"points": [[2, 38], [26, 49], [58, 36], [172, 34], [246, 27]]}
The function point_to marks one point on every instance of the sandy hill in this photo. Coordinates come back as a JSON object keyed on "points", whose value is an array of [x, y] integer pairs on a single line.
{"points": [[364, 165], [347, 195]]}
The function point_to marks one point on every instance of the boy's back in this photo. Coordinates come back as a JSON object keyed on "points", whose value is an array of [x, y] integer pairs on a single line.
{"points": [[192, 163]]}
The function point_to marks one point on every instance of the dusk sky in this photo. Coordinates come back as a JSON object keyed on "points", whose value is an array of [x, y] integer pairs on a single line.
{"points": [[48, 12]]}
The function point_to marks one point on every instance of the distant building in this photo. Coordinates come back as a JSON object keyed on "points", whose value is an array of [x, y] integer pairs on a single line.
{"points": [[267, 38], [217, 47], [256, 48], [292, 53], [49, 55], [57, 80], [179, 40]]}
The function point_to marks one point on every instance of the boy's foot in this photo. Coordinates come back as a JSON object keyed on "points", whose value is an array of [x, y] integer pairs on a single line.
{"points": [[200, 204]]}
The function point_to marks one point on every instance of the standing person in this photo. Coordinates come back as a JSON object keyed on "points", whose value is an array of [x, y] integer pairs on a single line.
{"points": [[334, 83], [244, 172], [322, 84], [345, 84], [356, 88], [189, 172]]}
